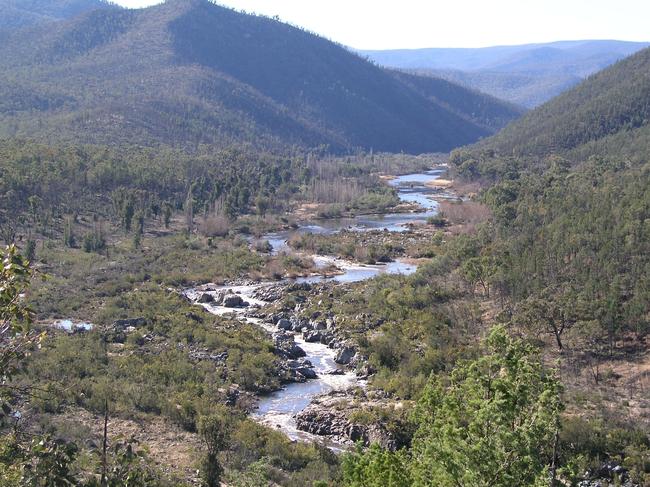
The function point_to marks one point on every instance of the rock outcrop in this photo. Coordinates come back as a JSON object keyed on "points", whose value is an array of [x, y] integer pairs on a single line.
{"points": [[286, 347], [345, 355], [332, 415]]}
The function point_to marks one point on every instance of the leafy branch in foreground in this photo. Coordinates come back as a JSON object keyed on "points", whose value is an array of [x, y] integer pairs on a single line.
{"points": [[15, 317]]}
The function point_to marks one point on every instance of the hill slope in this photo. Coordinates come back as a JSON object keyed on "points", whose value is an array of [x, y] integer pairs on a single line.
{"points": [[593, 117], [569, 188], [189, 72], [22, 13], [527, 74]]}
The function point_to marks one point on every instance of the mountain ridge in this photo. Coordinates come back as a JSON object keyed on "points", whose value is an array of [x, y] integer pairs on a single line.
{"points": [[23, 13], [610, 102], [191, 72], [527, 74]]}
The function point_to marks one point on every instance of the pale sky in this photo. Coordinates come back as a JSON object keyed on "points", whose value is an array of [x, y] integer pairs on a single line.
{"points": [[393, 24]]}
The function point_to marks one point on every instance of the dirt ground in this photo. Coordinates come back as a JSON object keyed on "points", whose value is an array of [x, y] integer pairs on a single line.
{"points": [[174, 450]]}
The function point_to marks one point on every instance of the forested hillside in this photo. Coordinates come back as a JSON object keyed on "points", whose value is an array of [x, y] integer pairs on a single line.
{"points": [[569, 188], [22, 13], [215, 272], [190, 72], [608, 114], [527, 75]]}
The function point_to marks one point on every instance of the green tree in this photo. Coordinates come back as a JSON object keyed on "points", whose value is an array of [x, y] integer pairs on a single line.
{"points": [[262, 204], [376, 468], [68, 232], [493, 423], [214, 430], [479, 270], [167, 214], [15, 317]]}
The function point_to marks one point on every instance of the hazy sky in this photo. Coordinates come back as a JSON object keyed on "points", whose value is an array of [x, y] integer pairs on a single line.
{"points": [[387, 24]]}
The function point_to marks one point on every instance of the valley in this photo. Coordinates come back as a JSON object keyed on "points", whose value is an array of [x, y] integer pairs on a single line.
{"points": [[237, 253]]}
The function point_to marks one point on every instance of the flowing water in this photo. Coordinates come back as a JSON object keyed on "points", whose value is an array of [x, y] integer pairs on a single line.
{"points": [[278, 409]]}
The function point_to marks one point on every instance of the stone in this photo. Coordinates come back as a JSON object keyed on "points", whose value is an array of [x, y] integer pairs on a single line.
{"points": [[329, 415], [286, 346], [234, 301], [319, 325], [206, 298], [312, 336], [284, 324], [307, 373], [327, 338], [345, 355]]}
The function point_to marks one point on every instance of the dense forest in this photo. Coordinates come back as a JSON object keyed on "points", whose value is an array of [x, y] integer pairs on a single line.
{"points": [[174, 75]]}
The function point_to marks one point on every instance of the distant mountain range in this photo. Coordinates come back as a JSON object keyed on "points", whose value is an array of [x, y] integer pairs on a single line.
{"points": [[527, 75], [189, 72], [607, 115]]}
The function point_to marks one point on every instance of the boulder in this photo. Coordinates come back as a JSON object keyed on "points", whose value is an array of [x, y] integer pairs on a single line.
{"points": [[345, 355], [336, 372], [286, 346], [234, 301], [319, 325], [329, 415], [312, 336], [206, 298], [327, 338], [307, 373], [284, 324]]}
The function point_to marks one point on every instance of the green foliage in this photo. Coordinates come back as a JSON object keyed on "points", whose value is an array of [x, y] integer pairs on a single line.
{"points": [[585, 444], [491, 423], [376, 468], [157, 376], [572, 209], [16, 339], [479, 270], [129, 466], [49, 464], [214, 429], [15, 276], [94, 241]]}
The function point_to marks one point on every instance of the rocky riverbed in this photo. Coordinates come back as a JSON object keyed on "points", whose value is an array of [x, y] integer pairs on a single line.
{"points": [[324, 375], [314, 359]]}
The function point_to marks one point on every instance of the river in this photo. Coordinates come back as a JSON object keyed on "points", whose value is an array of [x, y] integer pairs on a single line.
{"points": [[278, 409]]}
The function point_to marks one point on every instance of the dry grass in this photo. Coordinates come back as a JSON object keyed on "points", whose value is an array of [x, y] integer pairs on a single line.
{"points": [[215, 226], [464, 216], [174, 450]]}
